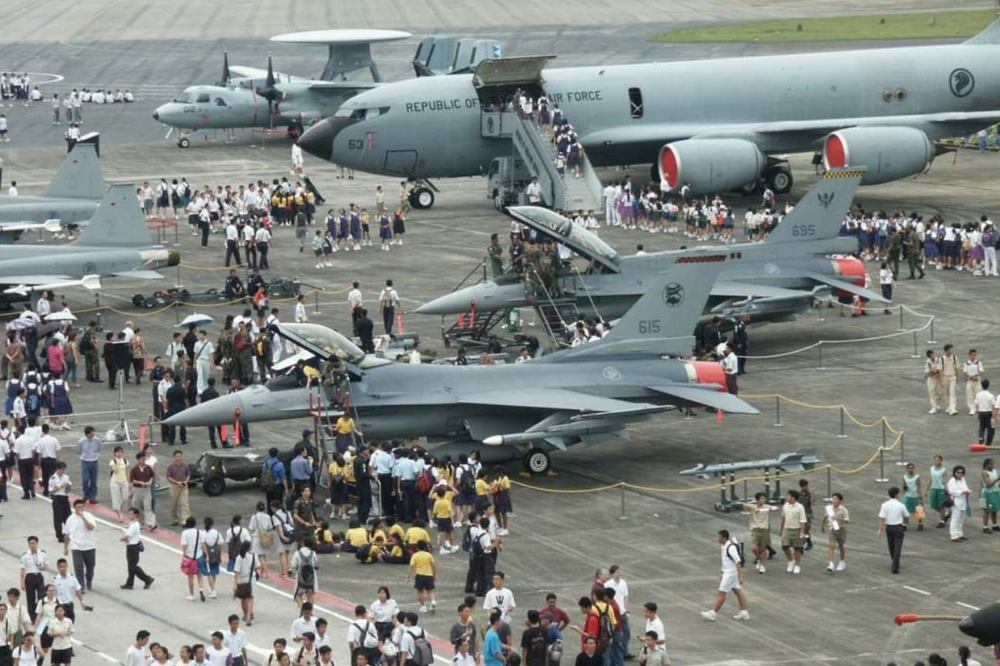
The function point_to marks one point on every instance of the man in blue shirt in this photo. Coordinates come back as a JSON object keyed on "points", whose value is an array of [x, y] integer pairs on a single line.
{"points": [[302, 473], [493, 654], [279, 479], [408, 471]]}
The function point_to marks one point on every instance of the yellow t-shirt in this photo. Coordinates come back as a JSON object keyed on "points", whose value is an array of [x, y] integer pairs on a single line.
{"points": [[503, 483], [310, 372], [397, 551], [423, 562], [442, 508], [345, 426], [119, 469], [396, 530], [448, 474], [378, 534], [482, 488], [357, 536], [415, 535], [325, 536], [336, 469]]}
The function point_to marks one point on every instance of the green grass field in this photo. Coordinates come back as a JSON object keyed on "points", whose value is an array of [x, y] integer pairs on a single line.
{"points": [[926, 25]]}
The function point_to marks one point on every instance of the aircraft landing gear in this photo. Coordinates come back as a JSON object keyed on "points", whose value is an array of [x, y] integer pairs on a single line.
{"points": [[422, 194], [536, 461], [779, 178], [183, 142]]}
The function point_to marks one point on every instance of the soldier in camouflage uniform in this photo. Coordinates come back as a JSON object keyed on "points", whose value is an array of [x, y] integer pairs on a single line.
{"points": [[532, 270], [244, 354], [89, 347], [262, 350], [226, 353]]}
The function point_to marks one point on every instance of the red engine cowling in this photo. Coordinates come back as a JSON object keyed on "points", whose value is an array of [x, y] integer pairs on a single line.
{"points": [[849, 269], [889, 153], [710, 165]]}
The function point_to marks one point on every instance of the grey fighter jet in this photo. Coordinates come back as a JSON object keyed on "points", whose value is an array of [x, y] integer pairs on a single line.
{"points": [[718, 125], [115, 243], [588, 393], [804, 258], [71, 198]]}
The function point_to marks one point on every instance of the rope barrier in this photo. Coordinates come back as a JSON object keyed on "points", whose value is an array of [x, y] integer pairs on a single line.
{"points": [[879, 451]]}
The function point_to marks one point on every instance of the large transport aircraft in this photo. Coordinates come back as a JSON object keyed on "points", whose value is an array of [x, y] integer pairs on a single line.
{"points": [[718, 125]]}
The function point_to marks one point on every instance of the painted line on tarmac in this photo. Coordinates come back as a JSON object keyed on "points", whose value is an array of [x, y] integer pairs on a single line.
{"points": [[970, 607], [918, 591]]}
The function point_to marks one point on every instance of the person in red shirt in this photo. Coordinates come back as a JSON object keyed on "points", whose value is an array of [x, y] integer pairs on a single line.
{"points": [[559, 616], [591, 624]]}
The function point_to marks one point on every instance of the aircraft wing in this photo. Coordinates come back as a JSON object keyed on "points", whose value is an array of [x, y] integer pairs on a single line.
{"points": [[733, 288], [727, 402], [847, 286], [551, 399], [255, 73], [340, 85]]}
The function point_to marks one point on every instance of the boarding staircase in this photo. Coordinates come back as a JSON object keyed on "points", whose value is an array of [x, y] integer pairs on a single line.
{"points": [[535, 148]]}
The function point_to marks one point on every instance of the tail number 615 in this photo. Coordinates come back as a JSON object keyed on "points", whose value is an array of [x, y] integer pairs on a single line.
{"points": [[649, 326]]}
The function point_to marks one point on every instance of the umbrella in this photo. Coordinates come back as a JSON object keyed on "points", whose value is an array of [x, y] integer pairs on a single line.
{"points": [[60, 316], [195, 320]]}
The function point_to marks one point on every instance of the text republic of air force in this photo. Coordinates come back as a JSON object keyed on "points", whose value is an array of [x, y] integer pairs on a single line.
{"points": [[472, 102]]}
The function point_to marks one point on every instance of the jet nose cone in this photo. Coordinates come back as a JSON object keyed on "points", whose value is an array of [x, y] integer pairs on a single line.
{"points": [[318, 139], [156, 115], [457, 302]]}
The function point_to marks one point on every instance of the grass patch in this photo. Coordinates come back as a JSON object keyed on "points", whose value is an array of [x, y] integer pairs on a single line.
{"points": [[924, 25]]}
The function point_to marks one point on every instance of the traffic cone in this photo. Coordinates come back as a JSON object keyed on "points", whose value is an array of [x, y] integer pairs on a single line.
{"points": [[399, 323], [224, 432], [142, 435], [719, 417]]}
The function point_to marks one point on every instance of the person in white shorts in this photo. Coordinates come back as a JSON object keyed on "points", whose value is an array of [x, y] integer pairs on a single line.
{"points": [[731, 579]]}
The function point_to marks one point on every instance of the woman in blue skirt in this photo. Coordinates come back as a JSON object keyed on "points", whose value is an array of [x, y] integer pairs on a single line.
{"points": [[59, 404]]}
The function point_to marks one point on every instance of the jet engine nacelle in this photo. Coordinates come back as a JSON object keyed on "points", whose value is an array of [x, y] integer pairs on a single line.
{"points": [[890, 153], [710, 165]]}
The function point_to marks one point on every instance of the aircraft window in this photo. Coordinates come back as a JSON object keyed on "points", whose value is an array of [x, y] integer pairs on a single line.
{"points": [[560, 226], [185, 98], [325, 339], [635, 101], [283, 383], [220, 102], [344, 113], [203, 98], [375, 112]]}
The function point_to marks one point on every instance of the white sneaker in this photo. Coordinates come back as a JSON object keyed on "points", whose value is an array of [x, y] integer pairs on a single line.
{"points": [[189, 598], [829, 567], [213, 595], [434, 606], [423, 609], [791, 565], [742, 615], [455, 549], [709, 615], [447, 551], [796, 570], [934, 410], [458, 523], [762, 569], [842, 566]]}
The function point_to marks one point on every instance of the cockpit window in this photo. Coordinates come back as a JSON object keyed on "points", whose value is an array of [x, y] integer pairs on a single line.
{"points": [[220, 102], [203, 98], [185, 98], [326, 341], [363, 113]]}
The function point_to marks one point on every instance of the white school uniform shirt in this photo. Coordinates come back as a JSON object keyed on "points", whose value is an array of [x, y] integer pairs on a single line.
{"points": [[218, 657], [300, 313], [972, 368], [235, 643], [36, 562], [730, 557], [731, 364], [80, 538], [885, 276], [302, 625], [502, 600], [893, 511], [262, 235], [383, 612], [232, 233], [48, 446]]}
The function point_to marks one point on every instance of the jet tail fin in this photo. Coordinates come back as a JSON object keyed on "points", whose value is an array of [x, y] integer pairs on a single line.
{"points": [[820, 212], [989, 35], [79, 175], [662, 321], [118, 221]]}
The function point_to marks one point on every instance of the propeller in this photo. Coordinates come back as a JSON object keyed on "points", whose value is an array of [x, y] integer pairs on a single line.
{"points": [[269, 92], [225, 69]]}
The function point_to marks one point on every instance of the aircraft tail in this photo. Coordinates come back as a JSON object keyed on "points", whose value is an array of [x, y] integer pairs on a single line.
{"points": [[820, 212], [79, 175], [118, 222], [989, 35], [662, 321]]}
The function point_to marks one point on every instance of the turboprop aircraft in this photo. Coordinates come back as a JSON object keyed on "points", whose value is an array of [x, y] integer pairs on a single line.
{"points": [[589, 393], [721, 124], [803, 259]]}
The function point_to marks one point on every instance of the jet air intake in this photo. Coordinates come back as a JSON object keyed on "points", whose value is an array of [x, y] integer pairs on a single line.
{"points": [[710, 165], [890, 153]]}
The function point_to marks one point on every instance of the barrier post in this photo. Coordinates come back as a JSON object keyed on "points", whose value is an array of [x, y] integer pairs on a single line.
{"points": [[884, 432], [829, 491], [777, 412], [842, 435], [177, 312], [932, 341], [819, 313], [722, 491], [316, 303], [623, 516], [819, 348], [767, 483], [901, 328], [881, 466], [914, 354], [902, 454]]}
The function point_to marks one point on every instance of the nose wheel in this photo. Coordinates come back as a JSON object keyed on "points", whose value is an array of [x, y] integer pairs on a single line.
{"points": [[536, 461], [183, 142]]}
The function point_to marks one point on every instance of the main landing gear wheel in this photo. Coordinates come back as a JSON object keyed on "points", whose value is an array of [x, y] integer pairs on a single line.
{"points": [[422, 198], [536, 461], [183, 142], [779, 178]]}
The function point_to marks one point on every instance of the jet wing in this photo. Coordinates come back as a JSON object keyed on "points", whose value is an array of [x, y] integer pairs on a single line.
{"points": [[847, 286], [732, 288], [727, 402], [551, 399]]}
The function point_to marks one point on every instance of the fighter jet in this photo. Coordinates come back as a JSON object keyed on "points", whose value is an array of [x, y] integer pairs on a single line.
{"points": [[721, 124], [587, 394], [71, 198], [115, 243], [263, 99], [798, 461], [802, 259]]}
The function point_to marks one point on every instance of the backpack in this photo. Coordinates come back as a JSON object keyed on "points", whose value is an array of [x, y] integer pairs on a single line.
{"points": [[87, 344], [267, 477], [466, 482], [739, 549], [235, 542], [214, 556], [423, 654], [605, 628], [33, 403], [467, 540], [425, 481], [307, 572]]}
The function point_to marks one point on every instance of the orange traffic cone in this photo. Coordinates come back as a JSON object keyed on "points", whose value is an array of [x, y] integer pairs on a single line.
{"points": [[399, 322], [224, 432], [719, 417], [142, 435]]}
